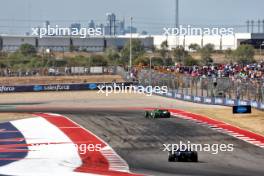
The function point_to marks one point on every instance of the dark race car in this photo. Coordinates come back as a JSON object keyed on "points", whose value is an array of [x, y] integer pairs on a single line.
{"points": [[183, 156], [157, 113]]}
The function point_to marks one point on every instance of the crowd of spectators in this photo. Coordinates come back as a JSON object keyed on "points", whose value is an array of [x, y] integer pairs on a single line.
{"points": [[234, 71]]}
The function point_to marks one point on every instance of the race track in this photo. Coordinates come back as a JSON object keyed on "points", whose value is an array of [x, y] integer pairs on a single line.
{"points": [[120, 122], [139, 141]]}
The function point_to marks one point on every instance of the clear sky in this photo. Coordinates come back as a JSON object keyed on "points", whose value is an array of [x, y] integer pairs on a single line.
{"points": [[151, 15]]}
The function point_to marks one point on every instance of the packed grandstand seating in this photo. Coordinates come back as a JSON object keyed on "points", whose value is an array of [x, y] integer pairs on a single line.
{"points": [[233, 71]]}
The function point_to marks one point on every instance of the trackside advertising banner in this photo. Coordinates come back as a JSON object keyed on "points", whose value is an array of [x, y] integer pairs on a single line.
{"points": [[214, 100], [98, 86], [59, 87]]}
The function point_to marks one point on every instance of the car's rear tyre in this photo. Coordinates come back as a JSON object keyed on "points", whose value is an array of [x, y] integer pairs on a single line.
{"points": [[171, 159], [195, 157], [152, 115], [147, 114]]}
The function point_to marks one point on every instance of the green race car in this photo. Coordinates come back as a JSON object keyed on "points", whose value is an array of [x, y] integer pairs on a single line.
{"points": [[157, 113]]}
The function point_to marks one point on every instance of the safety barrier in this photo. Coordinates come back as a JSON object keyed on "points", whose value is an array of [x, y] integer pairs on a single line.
{"points": [[212, 100], [97, 86]]}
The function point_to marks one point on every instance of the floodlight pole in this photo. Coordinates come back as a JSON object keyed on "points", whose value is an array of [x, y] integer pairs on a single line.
{"points": [[150, 70], [260, 48], [176, 21], [130, 47]]}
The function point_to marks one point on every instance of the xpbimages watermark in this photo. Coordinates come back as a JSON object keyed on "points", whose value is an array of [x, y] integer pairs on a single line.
{"points": [[189, 30], [123, 89], [64, 31], [211, 148], [83, 148]]}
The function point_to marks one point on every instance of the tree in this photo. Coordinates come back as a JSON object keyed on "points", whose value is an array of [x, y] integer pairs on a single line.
{"points": [[137, 50], [33, 63], [98, 60], [157, 61], [168, 62], [190, 61], [194, 47], [27, 50], [113, 56], [77, 61], [206, 53], [209, 47], [164, 49], [244, 54], [229, 55], [17, 58], [179, 54], [142, 60], [3, 55]]}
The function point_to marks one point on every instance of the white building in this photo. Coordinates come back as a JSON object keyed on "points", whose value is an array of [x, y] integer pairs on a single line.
{"points": [[220, 42], [100, 43]]}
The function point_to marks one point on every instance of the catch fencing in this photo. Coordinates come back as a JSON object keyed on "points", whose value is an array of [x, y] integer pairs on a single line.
{"points": [[57, 71], [225, 91]]}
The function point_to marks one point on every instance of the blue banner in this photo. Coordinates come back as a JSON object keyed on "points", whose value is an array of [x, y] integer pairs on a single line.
{"points": [[59, 87]]}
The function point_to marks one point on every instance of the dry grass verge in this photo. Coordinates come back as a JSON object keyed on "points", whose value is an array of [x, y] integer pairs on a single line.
{"points": [[58, 79], [253, 122]]}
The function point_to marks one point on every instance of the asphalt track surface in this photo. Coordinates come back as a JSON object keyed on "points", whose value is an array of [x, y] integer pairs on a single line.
{"points": [[140, 142]]}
